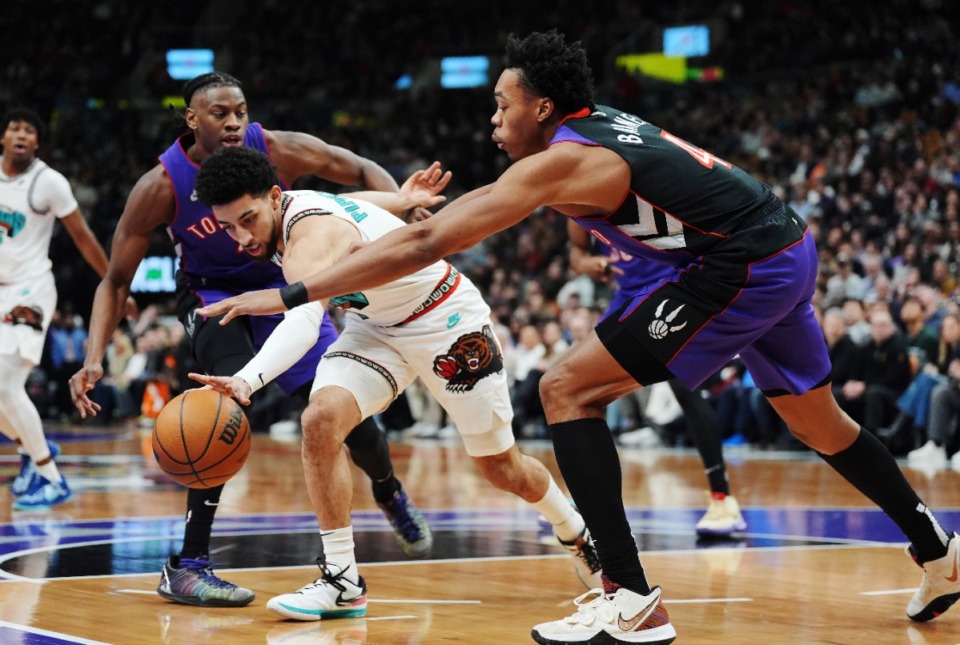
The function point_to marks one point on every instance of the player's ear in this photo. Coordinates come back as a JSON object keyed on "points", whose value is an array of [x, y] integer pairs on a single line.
{"points": [[190, 116], [276, 196], [544, 109]]}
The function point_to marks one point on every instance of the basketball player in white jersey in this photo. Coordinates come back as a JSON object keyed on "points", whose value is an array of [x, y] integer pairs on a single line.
{"points": [[432, 324], [32, 196]]}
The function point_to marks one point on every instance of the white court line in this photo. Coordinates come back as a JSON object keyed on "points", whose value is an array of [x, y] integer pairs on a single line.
{"points": [[44, 632], [691, 601], [888, 592], [416, 601], [398, 601], [393, 617]]}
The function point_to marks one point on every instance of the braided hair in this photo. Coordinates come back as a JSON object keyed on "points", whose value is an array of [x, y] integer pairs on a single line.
{"points": [[207, 81]]}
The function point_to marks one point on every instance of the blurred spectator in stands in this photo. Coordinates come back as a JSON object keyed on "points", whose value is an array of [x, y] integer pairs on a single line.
{"points": [[527, 409], [914, 403], [845, 283], [943, 429], [67, 352], [855, 319]]}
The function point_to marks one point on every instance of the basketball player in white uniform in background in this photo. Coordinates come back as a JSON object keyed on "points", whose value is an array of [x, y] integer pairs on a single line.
{"points": [[432, 324], [32, 196]]}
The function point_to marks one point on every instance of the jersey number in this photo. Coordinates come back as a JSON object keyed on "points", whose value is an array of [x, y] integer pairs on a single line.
{"points": [[702, 156]]}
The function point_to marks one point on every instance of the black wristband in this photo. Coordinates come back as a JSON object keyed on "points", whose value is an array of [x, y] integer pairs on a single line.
{"points": [[294, 295]]}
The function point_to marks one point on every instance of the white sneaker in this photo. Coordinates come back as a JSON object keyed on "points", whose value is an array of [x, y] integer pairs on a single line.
{"points": [[955, 461], [332, 595], [642, 438], [940, 587], [621, 617], [585, 559], [723, 518], [929, 454]]}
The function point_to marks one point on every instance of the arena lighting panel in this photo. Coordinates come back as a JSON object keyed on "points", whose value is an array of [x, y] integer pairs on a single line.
{"points": [[184, 64], [688, 41]]}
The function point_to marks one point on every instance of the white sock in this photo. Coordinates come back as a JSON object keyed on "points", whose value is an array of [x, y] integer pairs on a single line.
{"points": [[50, 471], [567, 523], [338, 550]]}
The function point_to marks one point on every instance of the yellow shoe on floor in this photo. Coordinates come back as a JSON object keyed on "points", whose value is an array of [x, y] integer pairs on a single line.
{"points": [[723, 517]]}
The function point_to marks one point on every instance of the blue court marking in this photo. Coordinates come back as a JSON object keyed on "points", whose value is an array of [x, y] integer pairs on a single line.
{"points": [[13, 634], [838, 523], [138, 542]]}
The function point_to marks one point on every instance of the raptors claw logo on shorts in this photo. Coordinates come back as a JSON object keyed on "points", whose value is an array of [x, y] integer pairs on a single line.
{"points": [[31, 316], [472, 357]]}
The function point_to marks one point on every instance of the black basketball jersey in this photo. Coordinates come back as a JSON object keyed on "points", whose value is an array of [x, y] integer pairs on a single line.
{"points": [[682, 199]]}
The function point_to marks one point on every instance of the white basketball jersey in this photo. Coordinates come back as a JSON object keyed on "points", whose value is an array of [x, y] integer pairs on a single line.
{"points": [[390, 304], [29, 204]]}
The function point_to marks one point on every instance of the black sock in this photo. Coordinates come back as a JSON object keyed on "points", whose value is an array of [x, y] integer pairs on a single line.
{"points": [[872, 470], [590, 466], [370, 452], [704, 431], [201, 507]]}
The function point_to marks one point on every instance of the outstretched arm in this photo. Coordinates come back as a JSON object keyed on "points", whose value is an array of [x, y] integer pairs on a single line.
{"points": [[297, 154], [150, 204], [421, 189], [592, 180]]}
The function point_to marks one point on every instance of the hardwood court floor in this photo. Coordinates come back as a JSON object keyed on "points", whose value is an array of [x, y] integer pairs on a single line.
{"points": [[818, 564]]}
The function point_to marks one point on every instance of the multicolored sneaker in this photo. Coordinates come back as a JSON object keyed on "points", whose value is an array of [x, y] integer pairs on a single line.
{"points": [[332, 595], [43, 494], [619, 617], [412, 531], [21, 484], [191, 581], [586, 561], [940, 587], [723, 517]]}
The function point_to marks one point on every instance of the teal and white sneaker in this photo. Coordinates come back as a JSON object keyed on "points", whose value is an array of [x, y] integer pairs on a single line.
{"points": [[332, 595], [411, 529], [21, 484], [43, 494], [191, 581]]}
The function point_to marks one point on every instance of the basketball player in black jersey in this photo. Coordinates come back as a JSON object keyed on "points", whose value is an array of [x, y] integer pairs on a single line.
{"points": [[744, 273]]}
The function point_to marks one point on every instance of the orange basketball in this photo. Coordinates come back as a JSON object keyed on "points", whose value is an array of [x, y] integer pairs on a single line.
{"points": [[201, 438]]}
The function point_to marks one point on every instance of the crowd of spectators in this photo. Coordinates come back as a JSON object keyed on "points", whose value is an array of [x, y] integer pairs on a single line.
{"points": [[852, 117]]}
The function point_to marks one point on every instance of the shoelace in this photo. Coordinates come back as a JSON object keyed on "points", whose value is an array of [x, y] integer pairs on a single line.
{"points": [[600, 607], [580, 549], [326, 579], [204, 569], [400, 514]]}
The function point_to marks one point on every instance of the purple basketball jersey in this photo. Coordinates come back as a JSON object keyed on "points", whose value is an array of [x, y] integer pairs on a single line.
{"points": [[214, 265]]}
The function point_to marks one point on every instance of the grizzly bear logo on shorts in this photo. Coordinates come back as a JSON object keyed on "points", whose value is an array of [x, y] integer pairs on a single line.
{"points": [[472, 357], [31, 316]]}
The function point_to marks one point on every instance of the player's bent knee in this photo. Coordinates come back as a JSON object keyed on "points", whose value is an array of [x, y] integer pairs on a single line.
{"points": [[324, 427], [502, 470], [555, 387]]}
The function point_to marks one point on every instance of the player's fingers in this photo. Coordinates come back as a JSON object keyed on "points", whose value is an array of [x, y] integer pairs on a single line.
{"points": [[444, 180], [230, 315]]}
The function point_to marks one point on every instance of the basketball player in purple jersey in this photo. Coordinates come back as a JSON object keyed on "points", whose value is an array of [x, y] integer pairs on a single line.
{"points": [[213, 267], [632, 276], [743, 271]]}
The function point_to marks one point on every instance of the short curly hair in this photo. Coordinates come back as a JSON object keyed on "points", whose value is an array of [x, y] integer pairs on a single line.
{"points": [[230, 173], [27, 116], [551, 68]]}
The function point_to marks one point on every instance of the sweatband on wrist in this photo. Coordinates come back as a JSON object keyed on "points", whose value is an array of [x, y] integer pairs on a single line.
{"points": [[294, 295]]}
